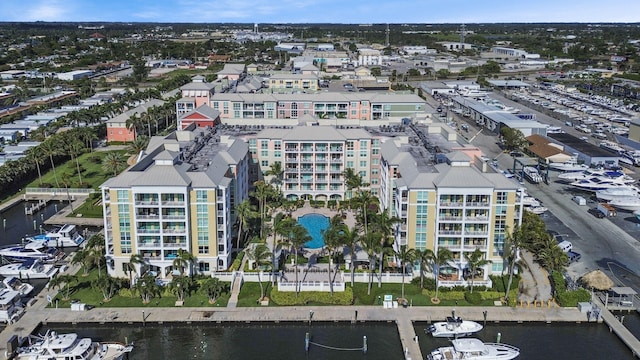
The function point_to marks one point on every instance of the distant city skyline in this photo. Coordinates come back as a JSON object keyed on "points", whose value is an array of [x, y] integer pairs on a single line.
{"points": [[316, 11]]}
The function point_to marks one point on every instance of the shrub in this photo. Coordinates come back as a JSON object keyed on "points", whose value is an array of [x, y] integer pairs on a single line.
{"points": [[126, 292], [289, 298], [237, 262], [473, 298], [500, 282], [429, 283]]}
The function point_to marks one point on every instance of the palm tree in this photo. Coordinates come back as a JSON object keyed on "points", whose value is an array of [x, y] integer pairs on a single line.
{"points": [[50, 148], [133, 123], [384, 225], [107, 286], [33, 155], [83, 257], [442, 257], [371, 243], [139, 144], [63, 281], [475, 260], [75, 150], [276, 170], [332, 240], [87, 135], [135, 259], [405, 256], [350, 238], [97, 257], [147, 288], [352, 180], [113, 162], [296, 237], [181, 287], [244, 213], [262, 192], [261, 256], [424, 257], [213, 287], [511, 253], [183, 260]]}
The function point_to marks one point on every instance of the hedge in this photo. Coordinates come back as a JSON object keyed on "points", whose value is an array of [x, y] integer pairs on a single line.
{"points": [[567, 298], [473, 298], [288, 298]]}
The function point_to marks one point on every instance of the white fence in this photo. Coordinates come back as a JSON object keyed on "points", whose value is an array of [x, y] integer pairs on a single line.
{"points": [[59, 191], [323, 286]]}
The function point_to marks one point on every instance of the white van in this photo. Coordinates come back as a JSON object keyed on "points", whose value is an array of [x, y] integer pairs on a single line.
{"points": [[566, 246], [579, 200]]}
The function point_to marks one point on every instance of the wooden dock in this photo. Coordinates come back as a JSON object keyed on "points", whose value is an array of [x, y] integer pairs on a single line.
{"points": [[616, 326]]}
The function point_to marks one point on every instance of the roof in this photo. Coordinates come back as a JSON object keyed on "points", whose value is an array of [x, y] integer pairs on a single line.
{"points": [[581, 145], [544, 150], [205, 110], [232, 69], [142, 108]]}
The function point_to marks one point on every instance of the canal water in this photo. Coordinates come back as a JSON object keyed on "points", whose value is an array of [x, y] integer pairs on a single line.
{"points": [[15, 224], [537, 341]]}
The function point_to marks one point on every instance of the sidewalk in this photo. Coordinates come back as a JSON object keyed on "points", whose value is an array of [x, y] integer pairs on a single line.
{"points": [[535, 285]]}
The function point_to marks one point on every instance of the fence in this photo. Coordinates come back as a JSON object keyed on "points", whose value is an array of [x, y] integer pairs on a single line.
{"points": [[322, 286], [59, 191]]}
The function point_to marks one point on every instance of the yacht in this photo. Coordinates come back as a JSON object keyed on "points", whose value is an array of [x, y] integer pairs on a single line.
{"points": [[474, 349], [631, 203], [10, 306], [616, 192], [13, 283], [30, 269], [29, 251], [65, 236], [54, 346], [532, 174], [569, 165], [538, 210], [453, 327], [530, 201], [589, 173], [597, 183]]}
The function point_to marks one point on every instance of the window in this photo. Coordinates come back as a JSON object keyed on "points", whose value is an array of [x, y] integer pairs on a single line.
{"points": [[422, 197], [201, 195], [264, 153], [375, 161], [363, 163], [501, 197], [277, 145], [264, 163], [203, 267], [123, 195]]}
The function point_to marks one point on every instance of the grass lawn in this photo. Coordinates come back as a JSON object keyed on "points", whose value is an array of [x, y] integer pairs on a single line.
{"points": [[82, 290], [90, 168], [250, 293]]}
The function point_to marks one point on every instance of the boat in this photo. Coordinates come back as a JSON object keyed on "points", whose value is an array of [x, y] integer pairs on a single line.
{"points": [[612, 147], [569, 165], [30, 251], [637, 214], [30, 269], [13, 283], [10, 306], [453, 327], [622, 191], [530, 201], [538, 210], [474, 349], [65, 236], [54, 346], [532, 174], [597, 183], [589, 173], [630, 203]]}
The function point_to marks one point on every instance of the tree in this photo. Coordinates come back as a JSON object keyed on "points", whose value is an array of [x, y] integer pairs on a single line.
{"points": [[296, 237], [181, 286], [184, 260], [475, 260], [50, 149], [36, 157], [277, 172], [135, 259], [332, 240], [147, 288], [213, 287], [138, 145], [76, 148], [513, 138], [262, 192], [405, 256], [511, 253], [261, 256], [424, 257], [441, 258], [83, 257], [63, 282], [245, 211], [114, 162], [350, 238], [352, 180], [133, 123], [384, 225], [372, 245], [140, 70], [107, 286]]}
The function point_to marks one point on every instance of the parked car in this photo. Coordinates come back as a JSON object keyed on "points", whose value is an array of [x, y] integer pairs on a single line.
{"points": [[595, 212]]}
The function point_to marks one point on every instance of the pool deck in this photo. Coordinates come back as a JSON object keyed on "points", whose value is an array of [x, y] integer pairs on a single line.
{"points": [[350, 219]]}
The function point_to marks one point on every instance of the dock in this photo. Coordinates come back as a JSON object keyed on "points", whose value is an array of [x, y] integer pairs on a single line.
{"points": [[616, 326]]}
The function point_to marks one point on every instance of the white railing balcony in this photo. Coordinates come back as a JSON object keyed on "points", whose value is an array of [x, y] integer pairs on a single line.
{"points": [[478, 203], [451, 204], [474, 247], [476, 232], [148, 231], [147, 217], [174, 217], [174, 230], [149, 244], [450, 218], [450, 232], [175, 245], [476, 218], [146, 202], [173, 202]]}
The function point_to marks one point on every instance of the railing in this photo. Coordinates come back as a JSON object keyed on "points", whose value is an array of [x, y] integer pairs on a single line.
{"points": [[173, 203], [450, 232], [322, 286], [176, 245], [174, 217], [148, 231], [476, 218], [450, 218], [474, 247], [452, 204], [476, 203], [149, 244], [59, 191], [174, 230], [479, 233], [147, 217], [146, 202]]}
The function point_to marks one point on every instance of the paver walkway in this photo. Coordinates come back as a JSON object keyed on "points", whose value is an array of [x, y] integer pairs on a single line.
{"points": [[535, 285]]}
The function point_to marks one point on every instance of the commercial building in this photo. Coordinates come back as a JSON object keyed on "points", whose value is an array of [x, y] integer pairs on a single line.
{"points": [[74, 75], [181, 194]]}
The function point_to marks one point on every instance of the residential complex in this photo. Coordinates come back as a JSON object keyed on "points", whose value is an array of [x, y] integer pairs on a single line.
{"points": [[181, 194]]}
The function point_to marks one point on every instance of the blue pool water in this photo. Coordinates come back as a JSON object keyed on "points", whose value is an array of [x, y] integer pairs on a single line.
{"points": [[315, 224]]}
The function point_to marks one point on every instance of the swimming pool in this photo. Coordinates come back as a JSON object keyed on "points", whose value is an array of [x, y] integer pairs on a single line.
{"points": [[315, 224]]}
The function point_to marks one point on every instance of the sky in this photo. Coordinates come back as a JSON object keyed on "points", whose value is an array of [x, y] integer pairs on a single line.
{"points": [[321, 11]]}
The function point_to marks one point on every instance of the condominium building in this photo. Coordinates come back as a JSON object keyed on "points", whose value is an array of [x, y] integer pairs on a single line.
{"points": [[292, 83], [314, 159], [327, 105], [181, 194], [454, 205], [194, 94]]}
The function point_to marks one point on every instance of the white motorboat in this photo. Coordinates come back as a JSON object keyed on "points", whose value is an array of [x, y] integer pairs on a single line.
{"points": [[631, 203], [453, 327], [538, 210], [570, 165], [530, 201], [65, 236], [474, 349], [589, 173], [532, 174], [54, 346], [13, 283], [30, 269], [616, 192], [10, 306], [598, 183], [29, 251]]}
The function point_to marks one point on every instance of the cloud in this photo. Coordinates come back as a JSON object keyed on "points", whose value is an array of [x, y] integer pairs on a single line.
{"points": [[48, 10]]}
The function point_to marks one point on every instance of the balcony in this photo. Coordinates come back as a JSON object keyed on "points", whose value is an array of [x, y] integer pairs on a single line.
{"points": [[335, 171], [476, 232], [449, 245], [291, 180], [174, 217], [174, 230], [176, 245], [146, 202], [148, 230], [451, 204], [337, 160], [450, 232], [472, 247], [149, 244], [335, 149], [450, 218], [147, 217], [291, 160], [173, 202], [291, 148], [476, 218], [291, 170], [477, 204]]}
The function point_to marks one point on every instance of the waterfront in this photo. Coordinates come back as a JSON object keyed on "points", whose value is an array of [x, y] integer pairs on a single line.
{"points": [[286, 340], [15, 224]]}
